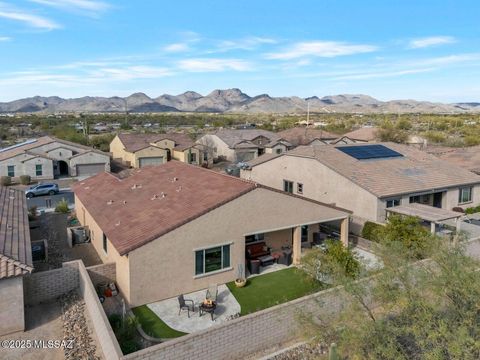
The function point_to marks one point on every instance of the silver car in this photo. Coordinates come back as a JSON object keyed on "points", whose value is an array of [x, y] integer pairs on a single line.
{"points": [[42, 189]]}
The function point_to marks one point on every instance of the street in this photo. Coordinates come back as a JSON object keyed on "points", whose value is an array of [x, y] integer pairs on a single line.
{"points": [[47, 201]]}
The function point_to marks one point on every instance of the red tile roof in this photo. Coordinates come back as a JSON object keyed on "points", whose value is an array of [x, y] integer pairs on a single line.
{"points": [[133, 212], [304, 136]]}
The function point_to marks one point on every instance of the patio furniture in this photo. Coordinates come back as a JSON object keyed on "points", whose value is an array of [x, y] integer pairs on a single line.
{"points": [[184, 304], [266, 260], [208, 306], [212, 292], [276, 256], [254, 251], [288, 257], [282, 259], [254, 266]]}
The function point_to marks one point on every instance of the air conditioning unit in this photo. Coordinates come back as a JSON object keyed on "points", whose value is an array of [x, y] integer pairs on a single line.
{"points": [[80, 235], [39, 251]]}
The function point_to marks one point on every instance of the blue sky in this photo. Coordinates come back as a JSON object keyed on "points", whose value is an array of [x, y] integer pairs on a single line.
{"points": [[425, 50]]}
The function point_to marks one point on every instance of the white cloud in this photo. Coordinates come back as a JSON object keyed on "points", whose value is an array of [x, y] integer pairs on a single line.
{"points": [[321, 49], [248, 43], [33, 20], [382, 74], [86, 5], [431, 41], [5, 38], [214, 65], [177, 47]]}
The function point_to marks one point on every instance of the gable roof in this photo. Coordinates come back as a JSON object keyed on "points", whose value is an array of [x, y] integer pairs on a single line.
{"points": [[146, 215], [15, 247], [136, 142], [29, 147], [233, 137], [304, 135], [363, 134], [415, 171]]}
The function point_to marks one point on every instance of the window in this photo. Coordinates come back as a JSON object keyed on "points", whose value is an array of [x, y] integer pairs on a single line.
{"points": [[11, 170], [212, 259], [288, 186], [38, 170], [205, 156], [392, 202], [192, 158], [465, 195], [299, 188], [105, 242], [278, 151]]}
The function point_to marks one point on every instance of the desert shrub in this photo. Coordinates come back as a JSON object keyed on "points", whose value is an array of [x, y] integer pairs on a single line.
{"points": [[371, 231], [435, 137], [32, 212], [472, 210], [5, 180], [471, 140], [25, 179], [62, 207]]}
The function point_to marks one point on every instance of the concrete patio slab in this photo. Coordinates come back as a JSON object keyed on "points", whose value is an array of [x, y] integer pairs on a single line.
{"points": [[167, 310]]}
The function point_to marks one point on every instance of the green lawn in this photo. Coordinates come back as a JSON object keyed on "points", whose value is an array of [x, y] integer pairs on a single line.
{"points": [[271, 289], [153, 325]]}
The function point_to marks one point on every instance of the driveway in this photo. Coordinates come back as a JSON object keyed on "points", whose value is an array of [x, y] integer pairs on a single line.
{"points": [[49, 202]]}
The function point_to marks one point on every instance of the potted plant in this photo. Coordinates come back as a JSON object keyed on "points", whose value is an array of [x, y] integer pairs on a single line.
{"points": [[240, 281]]}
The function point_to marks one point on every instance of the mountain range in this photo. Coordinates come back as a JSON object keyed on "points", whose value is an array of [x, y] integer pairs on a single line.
{"points": [[230, 101]]}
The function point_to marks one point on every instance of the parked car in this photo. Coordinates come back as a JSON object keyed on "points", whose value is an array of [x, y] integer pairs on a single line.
{"points": [[42, 189]]}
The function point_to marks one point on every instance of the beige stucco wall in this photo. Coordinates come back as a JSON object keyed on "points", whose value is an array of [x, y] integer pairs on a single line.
{"points": [[276, 239], [88, 158], [151, 151], [62, 153], [319, 183], [112, 255], [217, 147], [25, 165], [183, 155], [12, 317], [154, 265], [117, 148], [273, 149]]}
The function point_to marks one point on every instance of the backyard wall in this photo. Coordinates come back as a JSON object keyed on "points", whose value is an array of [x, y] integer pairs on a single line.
{"points": [[102, 273], [12, 316]]}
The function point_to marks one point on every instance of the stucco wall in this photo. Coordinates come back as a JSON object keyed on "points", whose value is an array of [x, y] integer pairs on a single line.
{"points": [[273, 149], [112, 256], [150, 151], [217, 147], [154, 265], [89, 158], [117, 148], [319, 183], [25, 165], [12, 317], [61, 153]]}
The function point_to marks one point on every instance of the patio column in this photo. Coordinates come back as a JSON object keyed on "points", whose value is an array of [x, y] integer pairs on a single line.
{"points": [[344, 231], [297, 245], [432, 227]]}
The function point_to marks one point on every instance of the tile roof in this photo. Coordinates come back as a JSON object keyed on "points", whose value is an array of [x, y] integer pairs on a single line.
{"points": [[135, 142], [363, 134], [467, 158], [132, 212], [15, 247], [304, 136], [233, 137], [415, 171], [262, 159], [30, 146]]}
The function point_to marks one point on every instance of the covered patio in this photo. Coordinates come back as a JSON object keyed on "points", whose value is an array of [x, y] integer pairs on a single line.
{"points": [[433, 216], [278, 249]]}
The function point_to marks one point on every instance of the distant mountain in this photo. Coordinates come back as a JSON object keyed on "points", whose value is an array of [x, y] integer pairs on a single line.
{"points": [[233, 101]]}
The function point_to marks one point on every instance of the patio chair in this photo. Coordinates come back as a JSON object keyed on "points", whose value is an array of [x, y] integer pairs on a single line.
{"points": [[185, 304], [212, 292]]}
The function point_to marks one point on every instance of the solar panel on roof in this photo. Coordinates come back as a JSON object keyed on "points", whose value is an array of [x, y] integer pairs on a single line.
{"points": [[363, 152]]}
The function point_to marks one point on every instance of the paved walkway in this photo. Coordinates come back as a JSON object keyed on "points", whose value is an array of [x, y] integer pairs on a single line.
{"points": [[167, 310], [368, 259]]}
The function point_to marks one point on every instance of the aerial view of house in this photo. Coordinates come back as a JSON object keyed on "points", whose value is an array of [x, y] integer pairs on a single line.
{"points": [[15, 258], [137, 150], [183, 222], [307, 136], [243, 145], [48, 157], [368, 178], [363, 134]]}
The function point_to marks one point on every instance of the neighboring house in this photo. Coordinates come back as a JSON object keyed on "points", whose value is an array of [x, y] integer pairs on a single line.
{"points": [[307, 136], [243, 145], [177, 228], [364, 134], [466, 157], [138, 150], [368, 178], [15, 258], [48, 157]]}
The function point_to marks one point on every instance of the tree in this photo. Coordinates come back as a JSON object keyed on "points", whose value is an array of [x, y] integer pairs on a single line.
{"points": [[328, 264], [410, 310]]}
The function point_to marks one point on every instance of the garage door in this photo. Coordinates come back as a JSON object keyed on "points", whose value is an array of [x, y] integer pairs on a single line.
{"points": [[90, 169], [150, 161], [246, 156]]}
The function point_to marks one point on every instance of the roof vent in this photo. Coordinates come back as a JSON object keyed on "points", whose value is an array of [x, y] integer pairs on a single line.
{"points": [[87, 187], [179, 189], [174, 179], [154, 197], [124, 202], [136, 186], [163, 195], [117, 224], [109, 202], [12, 197]]}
